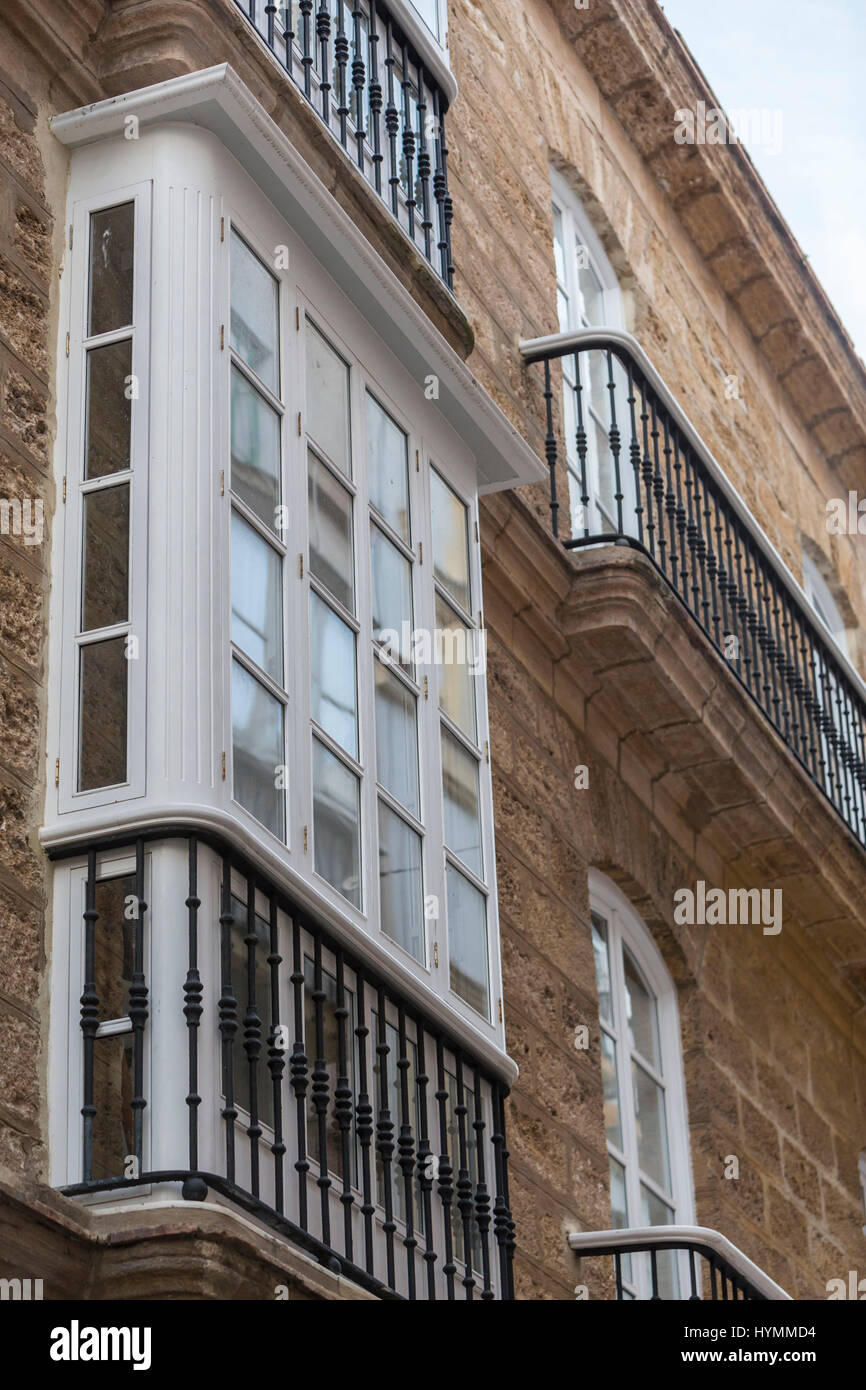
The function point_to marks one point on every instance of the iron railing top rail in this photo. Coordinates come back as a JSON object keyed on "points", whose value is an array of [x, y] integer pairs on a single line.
{"points": [[382, 87], [496, 1068], [701, 1239], [556, 345]]}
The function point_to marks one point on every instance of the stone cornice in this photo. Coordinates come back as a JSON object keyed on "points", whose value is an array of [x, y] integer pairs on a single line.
{"points": [[645, 72], [711, 769]]}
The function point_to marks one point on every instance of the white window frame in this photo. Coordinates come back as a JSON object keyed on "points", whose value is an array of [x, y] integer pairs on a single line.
{"points": [[577, 229], [308, 296], [625, 928], [71, 448], [823, 604]]}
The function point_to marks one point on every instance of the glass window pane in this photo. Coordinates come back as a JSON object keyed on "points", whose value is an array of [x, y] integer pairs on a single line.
{"points": [[242, 1073], [651, 1127], [113, 946], [255, 315], [108, 409], [102, 751], [388, 467], [654, 1212], [462, 807], [255, 450], [331, 553], [429, 12], [618, 1200], [619, 1210], [602, 967], [611, 1091], [456, 681], [558, 245], [336, 823], [330, 1055], [591, 290], [450, 540], [467, 941], [258, 751], [112, 239], [400, 883], [328, 400], [390, 1097], [257, 600], [392, 598], [113, 1131], [642, 1012], [334, 687], [397, 739], [105, 580], [458, 1230]]}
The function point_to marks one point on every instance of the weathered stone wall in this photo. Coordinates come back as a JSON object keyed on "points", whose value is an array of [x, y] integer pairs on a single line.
{"points": [[27, 279]]}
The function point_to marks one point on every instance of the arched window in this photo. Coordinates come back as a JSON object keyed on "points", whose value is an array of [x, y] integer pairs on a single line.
{"points": [[644, 1093], [818, 593], [588, 296]]}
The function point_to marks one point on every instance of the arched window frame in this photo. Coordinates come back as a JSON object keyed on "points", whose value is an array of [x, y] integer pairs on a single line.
{"points": [[578, 247], [818, 592], [625, 928]]}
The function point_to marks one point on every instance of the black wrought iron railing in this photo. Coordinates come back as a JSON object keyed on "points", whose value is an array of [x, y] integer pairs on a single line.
{"points": [[676, 1262], [360, 72], [315, 1094], [639, 475]]}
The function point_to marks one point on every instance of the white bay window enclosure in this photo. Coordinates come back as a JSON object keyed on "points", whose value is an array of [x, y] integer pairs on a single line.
{"points": [[268, 648]]}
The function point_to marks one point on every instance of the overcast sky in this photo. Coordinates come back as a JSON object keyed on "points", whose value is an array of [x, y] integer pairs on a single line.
{"points": [[807, 60]]}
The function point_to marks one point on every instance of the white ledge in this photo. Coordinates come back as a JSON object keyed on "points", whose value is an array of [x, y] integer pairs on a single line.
{"points": [[218, 100], [663, 1237], [536, 349]]}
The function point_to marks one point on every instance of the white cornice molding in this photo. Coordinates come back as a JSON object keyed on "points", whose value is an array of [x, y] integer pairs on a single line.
{"points": [[216, 99]]}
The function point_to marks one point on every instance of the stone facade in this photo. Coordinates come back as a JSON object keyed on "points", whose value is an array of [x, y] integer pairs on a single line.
{"points": [[590, 661]]}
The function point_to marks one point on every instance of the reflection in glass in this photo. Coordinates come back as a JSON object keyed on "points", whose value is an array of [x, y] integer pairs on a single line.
{"points": [[611, 1090], [102, 743], [258, 750], [113, 946], [602, 967], [462, 805], [392, 598], [330, 1055], [336, 823], [112, 239], [332, 675], [113, 1129], [397, 739], [388, 468], [400, 884], [331, 557], [241, 1074], [255, 450], [651, 1126], [108, 409], [456, 681], [257, 602], [655, 1212], [642, 1013], [255, 314], [467, 941], [450, 540], [105, 600], [328, 400]]}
